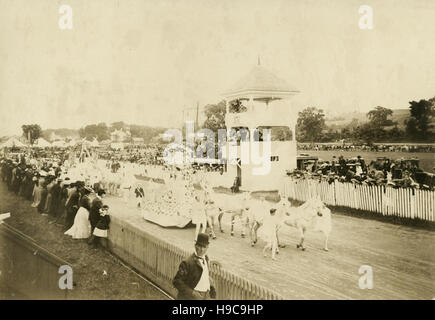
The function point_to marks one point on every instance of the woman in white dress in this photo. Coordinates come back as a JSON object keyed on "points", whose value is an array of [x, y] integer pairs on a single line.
{"points": [[81, 228], [37, 190]]}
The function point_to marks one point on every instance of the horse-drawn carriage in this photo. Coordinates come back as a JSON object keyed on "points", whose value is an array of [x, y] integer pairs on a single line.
{"points": [[305, 160]]}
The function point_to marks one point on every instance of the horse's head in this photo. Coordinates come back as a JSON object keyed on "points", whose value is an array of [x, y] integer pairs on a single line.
{"points": [[317, 205]]}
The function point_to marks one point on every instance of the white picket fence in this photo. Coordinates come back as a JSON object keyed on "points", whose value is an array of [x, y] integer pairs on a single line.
{"points": [[403, 202]]}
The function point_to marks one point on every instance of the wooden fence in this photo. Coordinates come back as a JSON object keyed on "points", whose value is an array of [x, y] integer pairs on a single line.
{"points": [[159, 260], [388, 201]]}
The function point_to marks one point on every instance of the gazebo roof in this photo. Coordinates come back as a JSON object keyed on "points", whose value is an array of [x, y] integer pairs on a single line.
{"points": [[260, 82]]}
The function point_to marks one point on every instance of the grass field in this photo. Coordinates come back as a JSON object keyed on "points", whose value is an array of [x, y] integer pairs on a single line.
{"points": [[97, 274], [427, 160]]}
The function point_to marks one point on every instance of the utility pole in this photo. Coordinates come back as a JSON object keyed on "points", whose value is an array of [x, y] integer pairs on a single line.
{"points": [[197, 113]]}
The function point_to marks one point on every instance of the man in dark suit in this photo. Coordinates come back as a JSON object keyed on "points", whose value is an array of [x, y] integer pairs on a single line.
{"points": [[193, 277], [140, 193]]}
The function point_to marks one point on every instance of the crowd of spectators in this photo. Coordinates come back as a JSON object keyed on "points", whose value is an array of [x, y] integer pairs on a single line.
{"points": [[399, 173], [152, 154], [364, 147], [43, 179]]}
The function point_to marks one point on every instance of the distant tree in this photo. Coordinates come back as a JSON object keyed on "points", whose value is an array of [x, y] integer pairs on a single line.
{"points": [[103, 131], [215, 116], [145, 132], [330, 135], [100, 131], [379, 117], [281, 134], [396, 134], [345, 133], [33, 131], [422, 113], [117, 125], [353, 124], [411, 128], [348, 131], [367, 133], [310, 124]]}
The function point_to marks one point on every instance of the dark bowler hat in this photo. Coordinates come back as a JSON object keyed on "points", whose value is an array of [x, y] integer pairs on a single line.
{"points": [[202, 240], [88, 189]]}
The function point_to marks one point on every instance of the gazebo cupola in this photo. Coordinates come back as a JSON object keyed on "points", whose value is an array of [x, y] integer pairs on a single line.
{"points": [[256, 92]]}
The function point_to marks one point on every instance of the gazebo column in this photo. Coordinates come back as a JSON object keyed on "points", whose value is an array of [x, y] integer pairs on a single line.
{"points": [[251, 104]]}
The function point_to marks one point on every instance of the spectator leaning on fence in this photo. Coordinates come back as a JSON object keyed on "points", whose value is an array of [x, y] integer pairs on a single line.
{"points": [[193, 277], [399, 173]]}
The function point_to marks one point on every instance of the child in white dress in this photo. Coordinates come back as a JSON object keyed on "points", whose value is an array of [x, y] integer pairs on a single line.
{"points": [[100, 231]]}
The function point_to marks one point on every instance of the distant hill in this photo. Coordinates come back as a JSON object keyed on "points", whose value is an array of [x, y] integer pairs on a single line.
{"points": [[399, 116]]}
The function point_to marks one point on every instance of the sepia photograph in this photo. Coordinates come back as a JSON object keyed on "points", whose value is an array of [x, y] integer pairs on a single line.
{"points": [[217, 150]]}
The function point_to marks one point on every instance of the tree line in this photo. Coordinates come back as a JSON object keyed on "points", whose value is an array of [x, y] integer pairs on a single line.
{"points": [[100, 131], [312, 127]]}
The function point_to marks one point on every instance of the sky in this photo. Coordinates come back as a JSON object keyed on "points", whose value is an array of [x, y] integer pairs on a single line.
{"points": [[143, 62]]}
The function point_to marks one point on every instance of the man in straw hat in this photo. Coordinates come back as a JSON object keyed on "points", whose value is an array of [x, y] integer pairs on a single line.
{"points": [[193, 277]]}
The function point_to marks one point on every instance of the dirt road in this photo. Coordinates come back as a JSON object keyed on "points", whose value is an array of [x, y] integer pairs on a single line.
{"points": [[402, 258]]}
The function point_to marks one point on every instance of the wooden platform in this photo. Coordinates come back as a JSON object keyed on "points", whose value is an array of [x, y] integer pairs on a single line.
{"points": [[166, 221], [402, 258]]}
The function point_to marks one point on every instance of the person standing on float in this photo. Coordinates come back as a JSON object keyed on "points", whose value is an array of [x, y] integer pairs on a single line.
{"points": [[268, 232], [199, 218]]}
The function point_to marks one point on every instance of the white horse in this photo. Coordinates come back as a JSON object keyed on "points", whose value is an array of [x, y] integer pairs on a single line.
{"points": [[236, 205], [312, 215], [259, 210]]}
